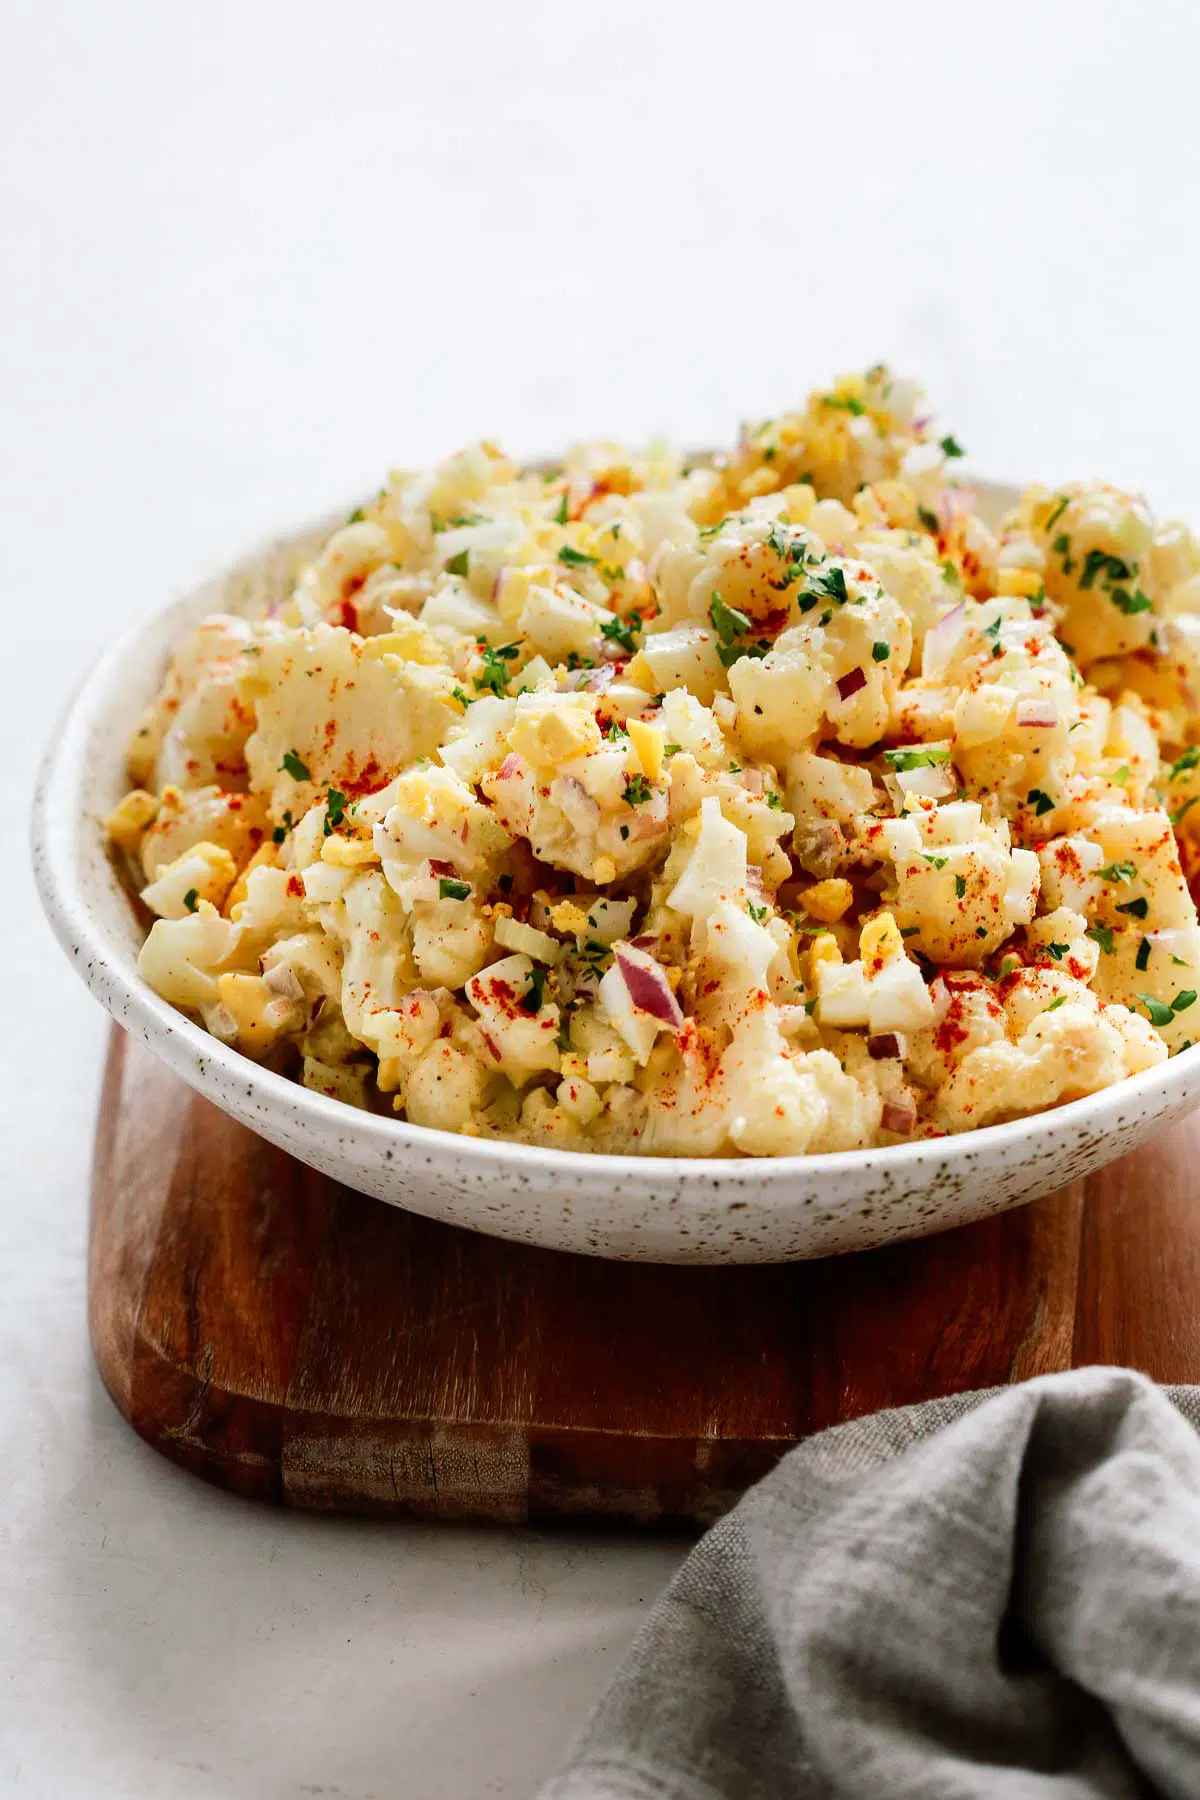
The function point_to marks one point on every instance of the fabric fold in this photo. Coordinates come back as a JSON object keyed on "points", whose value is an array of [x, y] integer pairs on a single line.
{"points": [[992, 1596]]}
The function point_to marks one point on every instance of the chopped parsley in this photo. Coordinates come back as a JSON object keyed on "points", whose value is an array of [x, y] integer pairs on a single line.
{"points": [[1059, 1000], [464, 699], [831, 584], [561, 515], [335, 811], [1061, 544], [1040, 802], [637, 790], [843, 403], [623, 631], [1118, 871], [449, 889], [1142, 959], [1162, 1014], [880, 652], [775, 802], [191, 899], [1137, 909], [939, 862], [576, 559], [533, 998], [728, 623], [293, 766], [757, 913], [929, 520], [916, 759], [356, 517], [460, 564], [1098, 562], [1103, 935], [1128, 603], [494, 673], [1181, 810], [1064, 500], [1189, 760], [1057, 951], [281, 831], [960, 885], [950, 446]]}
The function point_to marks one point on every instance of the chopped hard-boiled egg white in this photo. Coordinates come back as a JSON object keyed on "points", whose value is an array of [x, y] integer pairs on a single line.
{"points": [[765, 804]]}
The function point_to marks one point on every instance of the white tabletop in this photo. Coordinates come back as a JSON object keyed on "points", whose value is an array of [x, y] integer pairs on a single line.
{"points": [[258, 252]]}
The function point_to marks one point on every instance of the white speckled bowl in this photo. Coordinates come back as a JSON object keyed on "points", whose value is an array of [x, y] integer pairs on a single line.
{"points": [[651, 1209]]}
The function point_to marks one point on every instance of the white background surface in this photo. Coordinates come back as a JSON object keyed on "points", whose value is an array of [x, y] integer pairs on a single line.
{"points": [[252, 254]]}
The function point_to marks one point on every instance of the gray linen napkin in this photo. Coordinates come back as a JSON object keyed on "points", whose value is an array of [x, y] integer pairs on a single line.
{"points": [[996, 1595]]}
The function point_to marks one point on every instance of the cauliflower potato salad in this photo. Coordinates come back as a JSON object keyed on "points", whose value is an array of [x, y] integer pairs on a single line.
{"points": [[761, 804]]}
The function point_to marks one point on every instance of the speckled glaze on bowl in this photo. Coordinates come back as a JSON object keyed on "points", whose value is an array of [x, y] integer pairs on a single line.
{"points": [[681, 1210]]}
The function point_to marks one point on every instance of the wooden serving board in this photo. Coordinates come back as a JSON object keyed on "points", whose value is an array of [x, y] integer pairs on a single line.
{"points": [[293, 1341]]}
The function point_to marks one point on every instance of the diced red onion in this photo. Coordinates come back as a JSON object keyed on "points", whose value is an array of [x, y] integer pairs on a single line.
{"points": [[646, 941], [510, 767], [852, 683], [887, 1046], [596, 680], [1037, 712], [612, 652], [577, 805], [941, 639], [649, 988], [435, 866], [752, 780], [899, 1116], [284, 981]]}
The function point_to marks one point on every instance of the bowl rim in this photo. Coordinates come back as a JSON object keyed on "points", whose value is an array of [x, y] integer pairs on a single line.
{"points": [[58, 816]]}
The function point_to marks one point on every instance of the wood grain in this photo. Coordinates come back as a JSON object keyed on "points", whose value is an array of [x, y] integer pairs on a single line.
{"points": [[296, 1342]]}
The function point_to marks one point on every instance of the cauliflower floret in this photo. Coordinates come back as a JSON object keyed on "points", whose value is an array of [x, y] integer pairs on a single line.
{"points": [[237, 822], [195, 730], [837, 673], [958, 883], [1097, 543], [1156, 974], [337, 711], [446, 1088], [181, 957], [913, 577], [693, 727], [1125, 871], [332, 581], [783, 1103], [821, 787], [1064, 1043]]}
